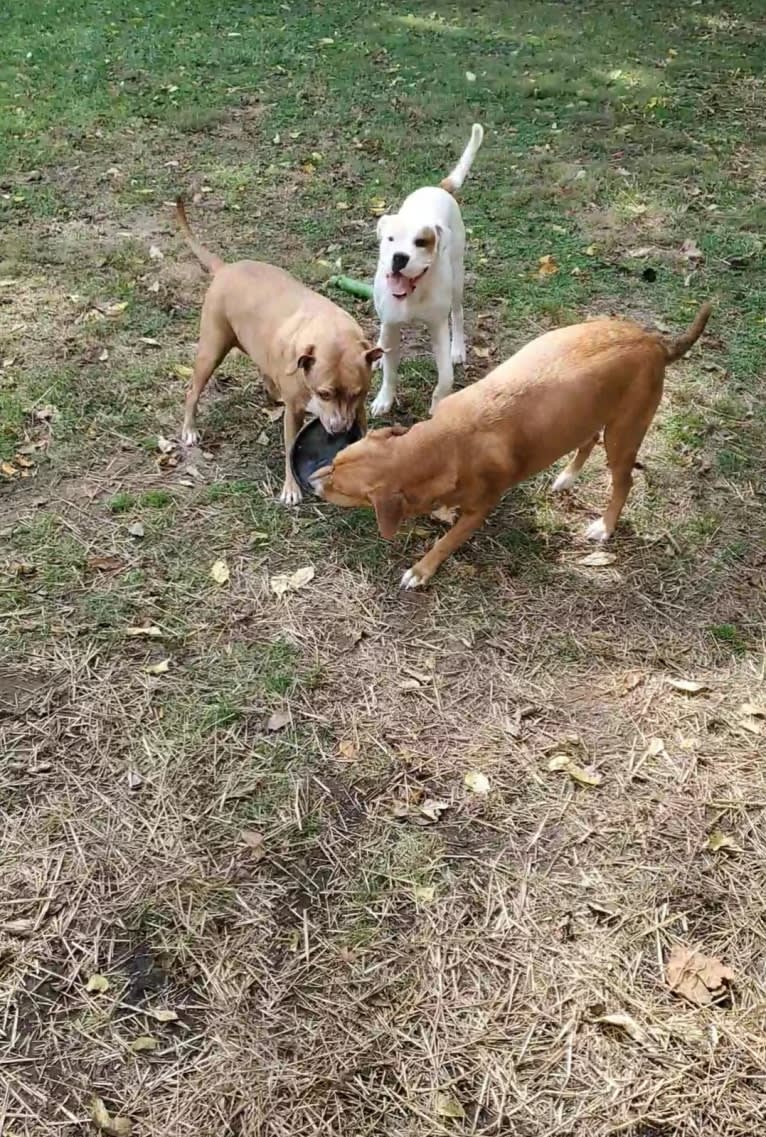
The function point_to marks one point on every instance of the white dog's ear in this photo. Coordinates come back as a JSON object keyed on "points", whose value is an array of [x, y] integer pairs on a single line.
{"points": [[382, 225]]}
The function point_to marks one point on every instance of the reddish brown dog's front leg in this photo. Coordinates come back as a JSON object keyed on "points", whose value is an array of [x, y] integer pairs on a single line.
{"points": [[425, 568]]}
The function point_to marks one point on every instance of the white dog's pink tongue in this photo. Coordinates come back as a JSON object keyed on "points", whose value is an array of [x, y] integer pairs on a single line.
{"points": [[400, 285]]}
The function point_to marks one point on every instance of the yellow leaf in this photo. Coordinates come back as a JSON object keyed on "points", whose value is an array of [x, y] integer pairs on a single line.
{"points": [[116, 309], [482, 352], [424, 892], [582, 776], [600, 559], [182, 371], [220, 572], [158, 668], [348, 749], [448, 1106], [164, 1016], [8, 470], [377, 206], [547, 266], [470, 78], [143, 1043], [591, 251], [688, 686], [559, 762], [100, 1114], [150, 630], [718, 840], [291, 582], [477, 782], [97, 984], [341, 205]]}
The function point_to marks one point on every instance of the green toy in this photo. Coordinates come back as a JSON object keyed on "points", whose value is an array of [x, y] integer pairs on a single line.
{"points": [[356, 288]]}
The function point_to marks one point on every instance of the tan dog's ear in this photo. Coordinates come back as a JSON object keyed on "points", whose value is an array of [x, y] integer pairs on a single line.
{"points": [[373, 355], [305, 361], [389, 512]]}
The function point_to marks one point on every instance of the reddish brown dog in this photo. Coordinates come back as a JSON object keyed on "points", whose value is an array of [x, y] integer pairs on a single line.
{"points": [[312, 355], [555, 395]]}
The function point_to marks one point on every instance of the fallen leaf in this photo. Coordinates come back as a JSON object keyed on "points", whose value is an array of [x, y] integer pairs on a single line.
{"points": [[97, 984], [755, 710], [342, 205], [591, 250], [477, 782], [688, 686], [134, 780], [150, 341], [104, 564], [559, 762], [220, 572], [631, 680], [583, 776], [291, 582], [424, 892], [116, 309], [115, 1126], [166, 445], [103, 356], [656, 746], [164, 1015], [691, 250], [482, 352], [158, 668], [182, 371], [377, 206], [156, 253], [433, 809], [624, 1022], [547, 266], [142, 1044], [599, 559], [348, 749], [252, 839], [470, 78], [20, 927], [136, 529], [446, 1105], [698, 978], [24, 462], [718, 840], [278, 720], [150, 630], [644, 251], [8, 470]]}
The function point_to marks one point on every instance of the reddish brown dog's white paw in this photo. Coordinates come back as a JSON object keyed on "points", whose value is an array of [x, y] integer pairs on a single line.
{"points": [[563, 481], [412, 578], [448, 516], [597, 531], [291, 493]]}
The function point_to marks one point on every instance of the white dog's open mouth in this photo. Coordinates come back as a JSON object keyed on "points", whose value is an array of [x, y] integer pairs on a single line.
{"points": [[403, 286]]}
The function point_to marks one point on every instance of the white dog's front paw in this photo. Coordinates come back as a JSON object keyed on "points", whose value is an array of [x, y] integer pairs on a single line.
{"points": [[381, 404], [597, 531], [564, 481], [291, 493], [189, 436], [458, 354], [412, 579]]}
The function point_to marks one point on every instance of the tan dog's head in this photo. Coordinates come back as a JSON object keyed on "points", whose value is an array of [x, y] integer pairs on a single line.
{"points": [[337, 376], [407, 251], [375, 472]]}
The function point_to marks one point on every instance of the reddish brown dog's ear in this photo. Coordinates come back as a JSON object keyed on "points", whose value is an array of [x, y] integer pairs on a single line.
{"points": [[389, 512], [388, 431], [373, 355], [306, 360]]}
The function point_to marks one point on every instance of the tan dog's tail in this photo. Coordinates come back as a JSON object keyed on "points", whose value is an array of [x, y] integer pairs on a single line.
{"points": [[455, 180], [207, 259], [675, 349]]}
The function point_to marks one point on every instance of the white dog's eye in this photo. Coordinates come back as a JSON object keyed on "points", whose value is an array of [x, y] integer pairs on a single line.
{"points": [[421, 242]]}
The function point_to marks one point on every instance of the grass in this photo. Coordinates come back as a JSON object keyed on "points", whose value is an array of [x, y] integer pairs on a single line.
{"points": [[334, 956]]}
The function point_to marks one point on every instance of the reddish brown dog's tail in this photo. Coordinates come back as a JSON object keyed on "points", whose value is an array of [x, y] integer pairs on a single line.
{"points": [[675, 349], [207, 259]]}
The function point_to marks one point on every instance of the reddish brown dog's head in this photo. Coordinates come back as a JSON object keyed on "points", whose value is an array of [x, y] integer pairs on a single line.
{"points": [[337, 377], [365, 474]]}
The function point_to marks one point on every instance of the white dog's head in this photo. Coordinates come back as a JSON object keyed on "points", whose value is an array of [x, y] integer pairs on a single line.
{"points": [[407, 252]]}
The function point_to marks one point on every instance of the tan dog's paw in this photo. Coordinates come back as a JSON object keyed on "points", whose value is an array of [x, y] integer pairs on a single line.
{"points": [[597, 531], [413, 579], [291, 493], [189, 436], [445, 514]]}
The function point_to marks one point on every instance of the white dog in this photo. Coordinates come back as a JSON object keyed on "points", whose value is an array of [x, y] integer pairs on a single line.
{"points": [[419, 278]]}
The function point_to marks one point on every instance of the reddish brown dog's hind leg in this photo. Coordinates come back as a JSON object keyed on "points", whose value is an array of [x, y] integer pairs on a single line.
{"points": [[622, 440], [215, 342], [567, 476]]}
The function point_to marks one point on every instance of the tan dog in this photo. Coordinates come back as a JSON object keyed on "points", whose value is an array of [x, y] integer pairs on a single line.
{"points": [[312, 355], [555, 395]]}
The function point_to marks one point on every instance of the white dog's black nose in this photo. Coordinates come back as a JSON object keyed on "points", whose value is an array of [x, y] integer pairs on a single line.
{"points": [[398, 261]]}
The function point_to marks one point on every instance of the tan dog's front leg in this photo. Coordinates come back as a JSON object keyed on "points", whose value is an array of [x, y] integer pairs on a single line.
{"points": [[425, 568], [293, 420]]}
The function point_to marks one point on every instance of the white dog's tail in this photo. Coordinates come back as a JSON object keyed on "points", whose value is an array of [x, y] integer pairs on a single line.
{"points": [[455, 180]]}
